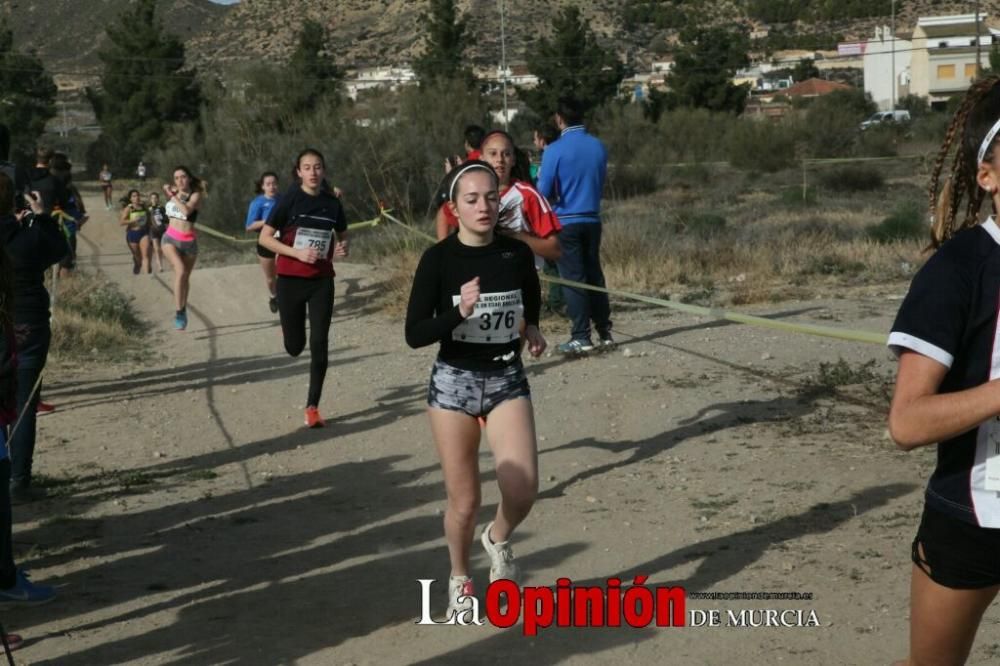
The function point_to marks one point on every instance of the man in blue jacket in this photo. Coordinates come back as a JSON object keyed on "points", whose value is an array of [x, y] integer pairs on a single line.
{"points": [[572, 178]]}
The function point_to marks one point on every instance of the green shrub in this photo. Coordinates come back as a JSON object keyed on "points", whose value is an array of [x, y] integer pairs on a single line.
{"points": [[853, 178], [632, 153], [931, 127], [389, 148], [907, 222], [794, 196], [98, 299], [842, 373], [629, 180], [693, 135], [915, 104], [881, 141], [761, 146], [691, 175], [92, 317], [831, 127]]}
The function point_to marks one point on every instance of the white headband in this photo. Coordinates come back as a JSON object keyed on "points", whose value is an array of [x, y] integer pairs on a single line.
{"points": [[988, 141], [462, 171]]}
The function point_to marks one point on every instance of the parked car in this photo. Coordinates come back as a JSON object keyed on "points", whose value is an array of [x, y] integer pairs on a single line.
{"points": [[898, 116]]}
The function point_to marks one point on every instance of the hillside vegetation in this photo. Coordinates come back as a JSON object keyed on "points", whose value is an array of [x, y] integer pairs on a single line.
{"points": [[383, 32]]}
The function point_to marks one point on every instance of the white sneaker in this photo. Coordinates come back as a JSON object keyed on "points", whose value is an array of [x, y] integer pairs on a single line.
{"points": [[501, 558], [459, 586]]}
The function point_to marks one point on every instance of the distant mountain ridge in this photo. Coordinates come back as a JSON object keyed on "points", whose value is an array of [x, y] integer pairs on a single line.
{"points": [[68, 33]]}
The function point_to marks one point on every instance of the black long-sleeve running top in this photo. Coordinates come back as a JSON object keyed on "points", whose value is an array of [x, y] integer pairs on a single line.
{"points": [[509, 291], [33, 246]]}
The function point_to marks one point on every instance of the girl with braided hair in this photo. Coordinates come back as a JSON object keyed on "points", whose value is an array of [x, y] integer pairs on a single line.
{"points": [[947, 338]]}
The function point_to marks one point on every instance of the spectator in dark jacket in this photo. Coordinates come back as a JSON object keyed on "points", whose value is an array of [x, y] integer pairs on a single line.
{"points": [[33, 243], [41, 180], [15, 588], [14, 172]]}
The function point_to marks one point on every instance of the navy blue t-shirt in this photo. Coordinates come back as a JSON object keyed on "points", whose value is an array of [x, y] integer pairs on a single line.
{"points": [[950, 315]]}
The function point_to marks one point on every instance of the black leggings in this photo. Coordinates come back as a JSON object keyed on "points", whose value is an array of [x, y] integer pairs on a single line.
{"points": [[294, 294], [8, 573]]}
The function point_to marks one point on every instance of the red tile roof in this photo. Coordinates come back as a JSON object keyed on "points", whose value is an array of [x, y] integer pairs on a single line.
{"points": [[814, 88]]}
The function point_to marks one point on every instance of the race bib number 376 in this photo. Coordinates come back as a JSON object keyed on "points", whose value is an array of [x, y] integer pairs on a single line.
{"points": [[496, 319]]}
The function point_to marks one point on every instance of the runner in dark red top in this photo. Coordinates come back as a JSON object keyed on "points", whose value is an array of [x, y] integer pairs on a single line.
{"points": [[308, 217]]}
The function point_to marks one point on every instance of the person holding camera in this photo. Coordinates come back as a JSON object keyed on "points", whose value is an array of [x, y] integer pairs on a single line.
{"points": [[15, 587], [33, 242]]}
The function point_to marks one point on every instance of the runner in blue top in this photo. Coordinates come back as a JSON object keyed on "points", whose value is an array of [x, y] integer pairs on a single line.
{"points": [[260, 209]]}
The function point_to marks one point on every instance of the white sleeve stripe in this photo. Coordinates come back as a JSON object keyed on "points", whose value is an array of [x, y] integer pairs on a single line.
{"points": [[899, 341], [542, 201]]}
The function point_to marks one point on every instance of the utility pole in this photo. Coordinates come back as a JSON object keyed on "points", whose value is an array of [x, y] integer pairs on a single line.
{"points": [[978, 44], [893, 38], [503, 63]]}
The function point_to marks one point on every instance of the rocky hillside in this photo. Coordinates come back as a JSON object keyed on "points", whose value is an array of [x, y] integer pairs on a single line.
{"points": [[370, 32], [68, 33]]}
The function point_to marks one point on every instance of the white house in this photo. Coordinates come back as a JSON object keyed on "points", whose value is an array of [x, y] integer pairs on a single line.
{"points": [[518, 75], [887, 59], [368, 78], [662, 66], [944, 55]]}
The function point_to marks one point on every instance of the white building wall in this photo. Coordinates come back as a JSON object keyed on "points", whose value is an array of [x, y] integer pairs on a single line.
{"points": [[878, 59]]}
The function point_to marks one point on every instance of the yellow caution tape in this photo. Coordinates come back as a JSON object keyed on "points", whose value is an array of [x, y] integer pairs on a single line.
{"points": [[235, 239], [715, 313]]}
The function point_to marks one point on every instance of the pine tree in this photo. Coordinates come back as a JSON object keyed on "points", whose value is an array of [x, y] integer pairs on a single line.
{"points": [[442, 60], [312, 71], [704, 67], [145, 87], [571, 63], [27, 94]]}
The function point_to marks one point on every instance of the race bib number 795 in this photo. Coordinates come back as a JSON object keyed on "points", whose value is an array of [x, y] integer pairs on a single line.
{"points": [[316, 239], [495, 319]]}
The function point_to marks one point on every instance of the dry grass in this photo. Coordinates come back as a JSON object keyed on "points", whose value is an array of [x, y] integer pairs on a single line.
{"points": [[399, 281], [734, 239], [737, 241], [92, 318]]}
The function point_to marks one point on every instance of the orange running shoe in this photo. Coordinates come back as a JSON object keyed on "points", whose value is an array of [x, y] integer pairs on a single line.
{"points": [[313, 419]]}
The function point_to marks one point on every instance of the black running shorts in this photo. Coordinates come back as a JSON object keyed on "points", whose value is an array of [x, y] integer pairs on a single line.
{"points": [[475, 393], [957, 554]]}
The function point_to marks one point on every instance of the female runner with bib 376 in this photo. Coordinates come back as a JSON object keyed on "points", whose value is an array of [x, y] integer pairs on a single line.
{"points": [[470, 294], [307, 217]]}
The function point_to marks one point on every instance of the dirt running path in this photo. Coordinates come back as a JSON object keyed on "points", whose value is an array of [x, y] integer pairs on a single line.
{"points": [[199, 523]]}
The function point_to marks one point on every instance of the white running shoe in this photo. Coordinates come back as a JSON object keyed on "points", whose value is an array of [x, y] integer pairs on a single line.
{"points": [[459, 586], [501, 558]]}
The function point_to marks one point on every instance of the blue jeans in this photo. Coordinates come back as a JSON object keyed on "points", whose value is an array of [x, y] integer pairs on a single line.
{"points": [[31, 355], [581, 262]]}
